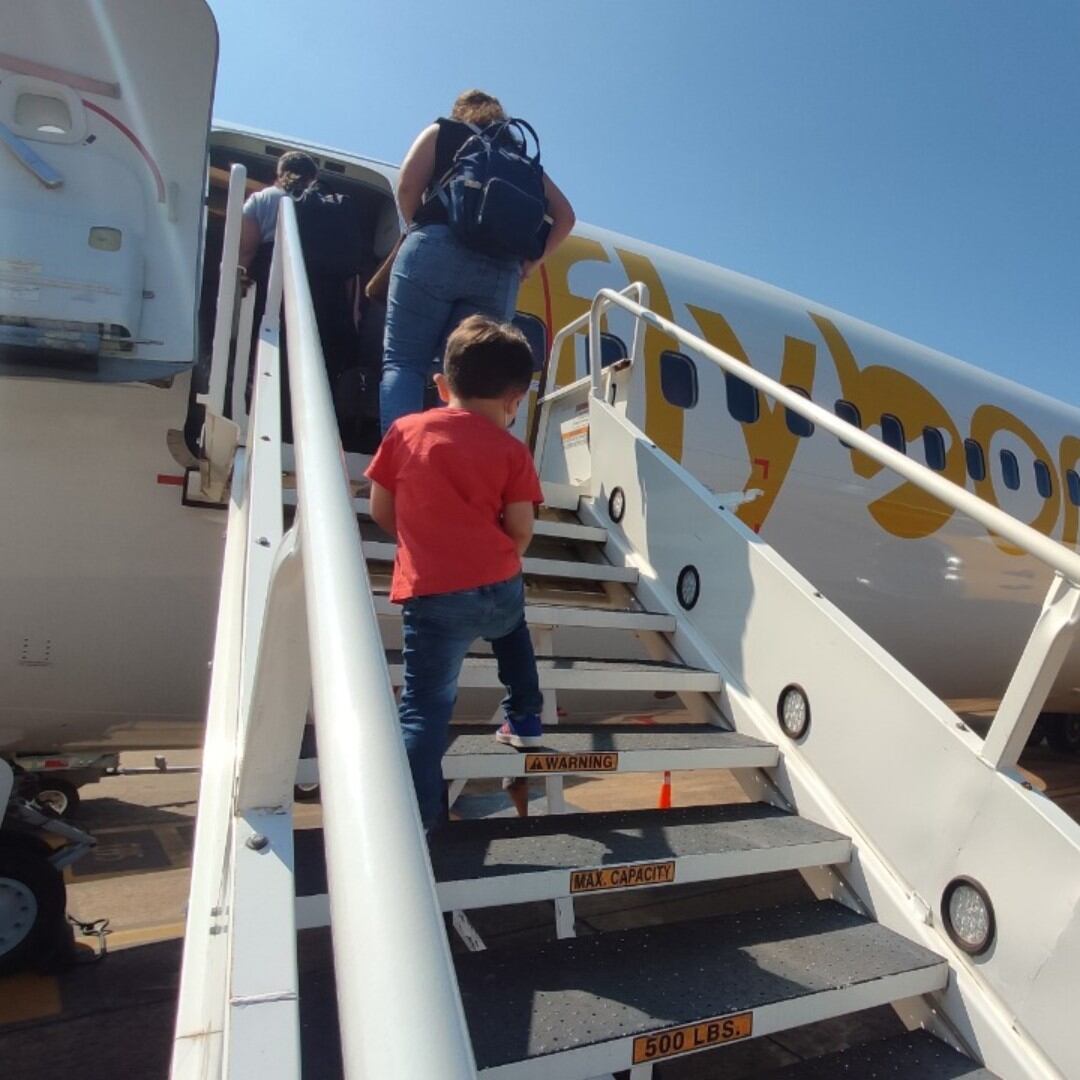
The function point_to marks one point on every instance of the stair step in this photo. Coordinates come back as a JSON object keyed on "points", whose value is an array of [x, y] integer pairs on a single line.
{"points": [[380, 551], [591, 1005], [572, 748], [575, 673], [562, 615], [519, 860], [559, 530], [561, 496], [916, 1055]]}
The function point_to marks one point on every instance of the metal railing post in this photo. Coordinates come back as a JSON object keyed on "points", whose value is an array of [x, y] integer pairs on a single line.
{"points": [[228, 286], [1034, 677]]}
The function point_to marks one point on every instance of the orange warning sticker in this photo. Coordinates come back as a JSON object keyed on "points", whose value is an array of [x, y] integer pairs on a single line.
{"points": [[682, 1040], [560, 763], [629, 876]]}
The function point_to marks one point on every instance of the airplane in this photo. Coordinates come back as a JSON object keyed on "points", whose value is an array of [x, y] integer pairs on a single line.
{"points": [[112, 181]]}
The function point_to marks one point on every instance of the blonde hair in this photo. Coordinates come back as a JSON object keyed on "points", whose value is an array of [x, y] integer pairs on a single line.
{"points": [[477, 107]]}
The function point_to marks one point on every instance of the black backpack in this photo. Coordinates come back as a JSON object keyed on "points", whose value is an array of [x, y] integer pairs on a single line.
{"points": [[331, 234], [494, 192]]}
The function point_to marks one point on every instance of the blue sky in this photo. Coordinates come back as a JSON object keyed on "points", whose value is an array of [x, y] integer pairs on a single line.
{"points": [[915, 163]]}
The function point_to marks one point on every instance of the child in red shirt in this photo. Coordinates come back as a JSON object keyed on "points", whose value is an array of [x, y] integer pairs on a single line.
{"points": [[458, 492]]}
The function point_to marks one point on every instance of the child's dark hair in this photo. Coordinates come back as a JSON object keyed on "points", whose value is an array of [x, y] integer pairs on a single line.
{"points": [[487, 359]]}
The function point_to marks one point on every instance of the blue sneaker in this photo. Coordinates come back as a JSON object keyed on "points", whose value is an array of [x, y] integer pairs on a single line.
{"points": [[521, 731]]}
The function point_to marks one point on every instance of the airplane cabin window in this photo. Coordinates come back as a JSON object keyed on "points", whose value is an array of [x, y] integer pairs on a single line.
{"points": [[612, 349], [933, 443], [892, 433], [1010, 470], [742, 399], [678, 379], [796, 424], [1043, 482], [848, 411], [1072, 479], [976, 460], [535, 334]]}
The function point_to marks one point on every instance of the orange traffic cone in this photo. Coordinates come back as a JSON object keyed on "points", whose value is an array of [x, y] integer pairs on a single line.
{"points": [[664, 802]]}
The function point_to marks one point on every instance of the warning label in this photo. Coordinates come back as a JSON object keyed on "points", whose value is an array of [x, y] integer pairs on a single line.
{"points": [[682, 1040], [561, 763], [623, 877]]}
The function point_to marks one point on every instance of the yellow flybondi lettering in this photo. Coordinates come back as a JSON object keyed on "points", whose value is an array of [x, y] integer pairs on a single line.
{"points": [[565, 305], [1069, 456], [906, 511], [770, 446], [663, 421], [985, 422]]}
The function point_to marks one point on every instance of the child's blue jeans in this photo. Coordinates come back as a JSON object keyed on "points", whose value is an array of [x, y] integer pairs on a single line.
{"points": [[438, 631]]}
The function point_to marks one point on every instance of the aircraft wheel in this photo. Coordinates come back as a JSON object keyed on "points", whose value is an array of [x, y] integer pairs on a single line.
{"points": [[1063, 732], [32, 904], [59, 796]]}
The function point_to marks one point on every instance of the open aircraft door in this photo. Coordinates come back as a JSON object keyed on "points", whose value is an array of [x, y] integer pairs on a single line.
{"points": [[104, 120]]}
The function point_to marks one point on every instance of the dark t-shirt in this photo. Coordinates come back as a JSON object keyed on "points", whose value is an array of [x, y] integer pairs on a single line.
{"points": [[452, 136]]}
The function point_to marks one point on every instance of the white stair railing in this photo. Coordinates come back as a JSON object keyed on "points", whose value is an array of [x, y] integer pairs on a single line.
{"points": [[1056, 625], [298, 617]]}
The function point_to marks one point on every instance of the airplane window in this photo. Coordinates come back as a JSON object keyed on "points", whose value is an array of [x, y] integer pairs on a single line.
{"points": [[933, 443], [1042, 479], [1010, 470], [976, 461], [1073, 481], [535, 334], [612, 349], [849, 412], [742, 399], [892, 433], [796, 424], [678, 379]]}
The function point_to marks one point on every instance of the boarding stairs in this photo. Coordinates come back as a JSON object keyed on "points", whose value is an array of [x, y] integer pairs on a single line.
{"points": [[639, 579]]}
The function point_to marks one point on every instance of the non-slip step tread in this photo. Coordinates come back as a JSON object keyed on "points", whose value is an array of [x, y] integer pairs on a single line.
{"points": [[572, 994], [468, 740], [478, 852], [532, 566], [583, 673], [495, 847], [568, 615], [916, 1055]]}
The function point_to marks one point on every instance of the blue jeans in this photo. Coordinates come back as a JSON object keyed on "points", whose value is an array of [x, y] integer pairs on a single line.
{"points": [[438, 631], [437, 281]]}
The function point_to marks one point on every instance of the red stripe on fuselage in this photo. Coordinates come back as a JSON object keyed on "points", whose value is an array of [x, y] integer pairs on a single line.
{"points": [[120, 126]]}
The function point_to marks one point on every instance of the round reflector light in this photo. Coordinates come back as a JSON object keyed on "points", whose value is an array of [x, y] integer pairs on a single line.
{"points": [[617, 505], [688, 587], [793, 711], [968, 915]]}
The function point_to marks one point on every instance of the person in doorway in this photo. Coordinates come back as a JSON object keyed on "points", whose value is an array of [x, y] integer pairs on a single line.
{"points": [[296, 172], [437, 280], [458, 492]]}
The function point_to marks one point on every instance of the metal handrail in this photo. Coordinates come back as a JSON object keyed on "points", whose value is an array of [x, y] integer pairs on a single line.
{"points": [[392, 959], [1047, 550]]}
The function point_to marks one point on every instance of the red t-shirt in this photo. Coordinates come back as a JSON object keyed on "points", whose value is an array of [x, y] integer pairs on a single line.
{"points": [[451, 472]]}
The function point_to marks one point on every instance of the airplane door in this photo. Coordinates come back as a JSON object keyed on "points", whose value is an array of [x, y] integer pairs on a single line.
{"points": [[104, 122]]}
